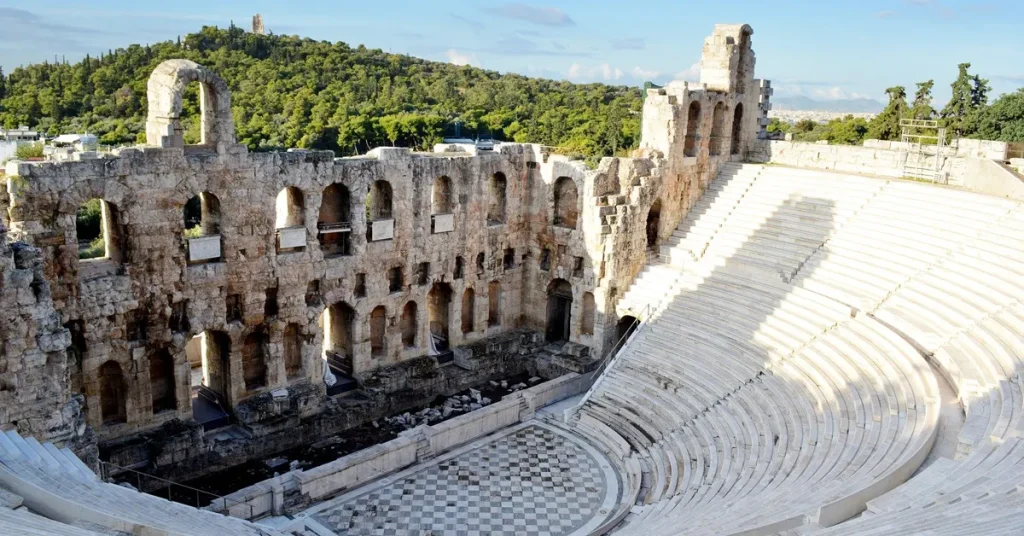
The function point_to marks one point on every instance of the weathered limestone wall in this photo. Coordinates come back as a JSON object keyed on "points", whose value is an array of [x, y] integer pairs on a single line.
{"points": [[566, 231]]}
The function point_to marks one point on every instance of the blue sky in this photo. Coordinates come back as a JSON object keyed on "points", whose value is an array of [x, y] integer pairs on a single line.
{"points": [[820, 49]]}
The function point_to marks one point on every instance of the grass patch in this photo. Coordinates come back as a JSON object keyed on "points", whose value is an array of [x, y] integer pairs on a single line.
{"points": [[95, 250], [194, 232]]}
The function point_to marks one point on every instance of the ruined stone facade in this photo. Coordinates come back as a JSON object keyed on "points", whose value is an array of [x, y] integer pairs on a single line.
{"points": [[259, 268]]}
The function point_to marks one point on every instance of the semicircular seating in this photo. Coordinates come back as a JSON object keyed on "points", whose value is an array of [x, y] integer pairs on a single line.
{"points": [[784, 384]]}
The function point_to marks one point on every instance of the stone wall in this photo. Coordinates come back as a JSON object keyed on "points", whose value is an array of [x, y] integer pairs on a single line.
{"points": [[133, 314]]}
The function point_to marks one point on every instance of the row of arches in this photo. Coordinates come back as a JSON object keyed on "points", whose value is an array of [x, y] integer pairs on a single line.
{"points": [[718, 129]]}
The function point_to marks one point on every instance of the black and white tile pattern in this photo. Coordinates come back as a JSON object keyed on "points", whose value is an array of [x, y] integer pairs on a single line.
{"points": [[531, 482]]}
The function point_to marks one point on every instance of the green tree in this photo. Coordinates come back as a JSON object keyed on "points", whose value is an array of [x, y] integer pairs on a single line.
{"points": [[969, 96], [777, 125], [921, 108], [3, 84], [1004, 119], [886, 125], [804, 125]]}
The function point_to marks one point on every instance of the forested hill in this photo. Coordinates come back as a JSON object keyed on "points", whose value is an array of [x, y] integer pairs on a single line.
{"points": [[295, 92]]}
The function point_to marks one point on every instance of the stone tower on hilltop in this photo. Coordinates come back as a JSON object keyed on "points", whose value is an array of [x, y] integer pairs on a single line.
{"points": [[257, 24]]}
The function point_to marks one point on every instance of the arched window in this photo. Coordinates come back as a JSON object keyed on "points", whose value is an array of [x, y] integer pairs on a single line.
{"points": [[494, 304], [338, 323], [441, 196], [290, 220], [480, 262], [587, 323], [165, 90], [209, 359], [691, 142], [737, 129], [559, 310], [653, 224], [625, 326], [334, 224], [378, 321], [409, 325], [459, 270], [292, 351], [161, 381], [378, 202], [496, 199], [718, 129], [566, 203], [439, 301], [468, 310], [379, 224], [113, 394], [254, 361], [97, 228], [202, 227]]}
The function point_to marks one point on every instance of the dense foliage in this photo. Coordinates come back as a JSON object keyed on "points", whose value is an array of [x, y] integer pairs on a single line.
{"points": [[967, 114], [293, 92]]}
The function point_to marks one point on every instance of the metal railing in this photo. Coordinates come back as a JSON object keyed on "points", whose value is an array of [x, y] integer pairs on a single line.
{"points": [[609, 357], [107, 470]]}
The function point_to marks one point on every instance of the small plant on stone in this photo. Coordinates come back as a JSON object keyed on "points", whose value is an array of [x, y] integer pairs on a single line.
{"points": [[194, 232], [96, 249]]}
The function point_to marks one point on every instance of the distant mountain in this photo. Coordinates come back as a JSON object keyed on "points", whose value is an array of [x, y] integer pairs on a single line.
{"points": [[807, 104]]}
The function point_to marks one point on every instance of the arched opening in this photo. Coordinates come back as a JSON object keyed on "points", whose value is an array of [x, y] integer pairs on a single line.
{"points": [[334, 224], [379, 219], [559, 310], [409, 325], [338, 324], [691, 142], [378, 324], [209, 360], [202, 227], [737, 128], [494, 304], [480, 262], [741, 79], [496, 199], [718, 129], [97, 231], [165, 93], [161, 381], [468, 310], [290, 220], [460, 269], [566, 203], [113, 394], [625, 326], [441, 196], [292, 351], [587, 322], [439, 301], [653, 224], [441, 207], [254, 361]]}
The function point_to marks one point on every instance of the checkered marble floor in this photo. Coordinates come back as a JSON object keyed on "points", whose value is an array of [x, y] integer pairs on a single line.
{"points": [[533, 481]]}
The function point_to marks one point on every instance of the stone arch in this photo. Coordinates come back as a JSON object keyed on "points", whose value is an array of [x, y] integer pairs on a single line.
{"points": [[338, 324], [559, 310], [113, 393], [202, 215], [625, 326], [439, 301], [441, 196], [164, 92], [737, 129], [291, 208], [692, 140], [254, 360], [718, 128], [379, 201], [468, 310], [409, 324], [334, 222], [162, 382], [497, 199], [210, 353], [566, 203], [292, 342], [378, 325], [97, 231], [494, 303], [653, 223], [589, 311], [741, 65]]}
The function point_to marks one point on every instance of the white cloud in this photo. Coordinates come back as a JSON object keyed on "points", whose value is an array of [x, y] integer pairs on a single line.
{"points": [[604, 72], [817, 91], [690, 74], [459, 58], [644, 74]]}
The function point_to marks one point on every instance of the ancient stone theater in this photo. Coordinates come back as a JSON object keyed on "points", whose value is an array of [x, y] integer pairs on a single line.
{"points": [[721, 334]]}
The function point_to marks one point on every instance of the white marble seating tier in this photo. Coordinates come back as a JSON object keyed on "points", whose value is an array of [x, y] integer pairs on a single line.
{"points": [[56, 484], [756, 403], [21, 522]]}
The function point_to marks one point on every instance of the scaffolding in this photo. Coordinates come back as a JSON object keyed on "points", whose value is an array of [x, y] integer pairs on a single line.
{"points": [[923, 143]]}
